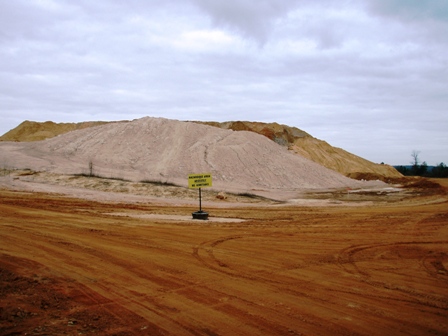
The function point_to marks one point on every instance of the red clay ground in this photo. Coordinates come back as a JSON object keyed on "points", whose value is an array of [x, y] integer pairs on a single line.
{"points": [[69, 266]]}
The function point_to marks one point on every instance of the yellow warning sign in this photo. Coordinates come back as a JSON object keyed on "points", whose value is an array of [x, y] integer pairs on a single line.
{"points": [[199, 180]]}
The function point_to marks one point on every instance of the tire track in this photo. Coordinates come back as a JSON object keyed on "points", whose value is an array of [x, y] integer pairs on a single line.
{"points": [[58, 257], [422, 252], [204, 253]]}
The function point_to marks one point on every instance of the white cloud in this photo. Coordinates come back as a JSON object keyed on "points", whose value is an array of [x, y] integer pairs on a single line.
{"points": [[252, 18], [367, 76], [203, 40]]}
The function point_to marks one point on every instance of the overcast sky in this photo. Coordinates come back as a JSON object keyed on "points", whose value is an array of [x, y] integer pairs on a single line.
{"points": [[369, 76]]}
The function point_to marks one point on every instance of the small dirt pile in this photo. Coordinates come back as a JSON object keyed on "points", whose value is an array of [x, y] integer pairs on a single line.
{"points": [[168, 150]]}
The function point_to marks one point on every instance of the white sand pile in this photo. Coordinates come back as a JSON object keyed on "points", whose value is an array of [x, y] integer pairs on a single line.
{"points": [[168, 150]]}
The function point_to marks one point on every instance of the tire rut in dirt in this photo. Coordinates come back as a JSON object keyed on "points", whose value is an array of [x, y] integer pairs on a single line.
{"points": [[426, 256]]}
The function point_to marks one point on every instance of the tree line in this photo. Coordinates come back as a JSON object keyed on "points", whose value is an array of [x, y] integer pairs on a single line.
{"points": [[422, 169]]}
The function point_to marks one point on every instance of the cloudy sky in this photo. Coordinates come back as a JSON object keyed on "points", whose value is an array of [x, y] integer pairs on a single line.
{"points": [[369, 76]]}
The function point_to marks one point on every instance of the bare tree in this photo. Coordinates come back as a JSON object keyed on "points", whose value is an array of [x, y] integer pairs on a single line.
{"points": [[415, 160]]}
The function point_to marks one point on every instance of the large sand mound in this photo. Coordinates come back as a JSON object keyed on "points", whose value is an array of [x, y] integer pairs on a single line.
{"points": [[168, 150], [292, 138]]}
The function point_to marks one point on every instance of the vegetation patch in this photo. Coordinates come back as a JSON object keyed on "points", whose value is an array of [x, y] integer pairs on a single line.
{"points": [[101, 177], [160, 183], [254, 196]]}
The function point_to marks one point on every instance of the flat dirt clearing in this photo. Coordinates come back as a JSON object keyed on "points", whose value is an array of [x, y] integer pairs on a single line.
{"points": [[70, 266]]}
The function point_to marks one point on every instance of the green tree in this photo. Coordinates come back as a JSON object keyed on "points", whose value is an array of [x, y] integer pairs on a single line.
{"points": [[441, 170], [423, 169]]}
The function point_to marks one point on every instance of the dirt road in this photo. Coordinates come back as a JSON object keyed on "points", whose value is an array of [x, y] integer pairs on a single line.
{"points": [[70, 266]]}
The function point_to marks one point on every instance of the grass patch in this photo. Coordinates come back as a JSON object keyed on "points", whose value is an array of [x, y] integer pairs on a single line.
{"points": [[257, 197], [152, 182], [87, 175], [160, 183], [101, 177], [28, 172], [5, 172], [248, 195]]}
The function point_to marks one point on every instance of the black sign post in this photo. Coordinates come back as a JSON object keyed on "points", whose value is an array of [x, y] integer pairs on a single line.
{"points": [[198, 181], [200, 214], [200, 200]]}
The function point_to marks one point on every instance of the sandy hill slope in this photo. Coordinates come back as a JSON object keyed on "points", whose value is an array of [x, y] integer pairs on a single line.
{"points": [[168, 150], [342, 161], [282, 134], [35, 131], [292, 138], [314, 149]]}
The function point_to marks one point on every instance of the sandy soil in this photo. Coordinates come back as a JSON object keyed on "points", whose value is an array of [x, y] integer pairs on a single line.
{"points": [[78, 266], [121, 190]]}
